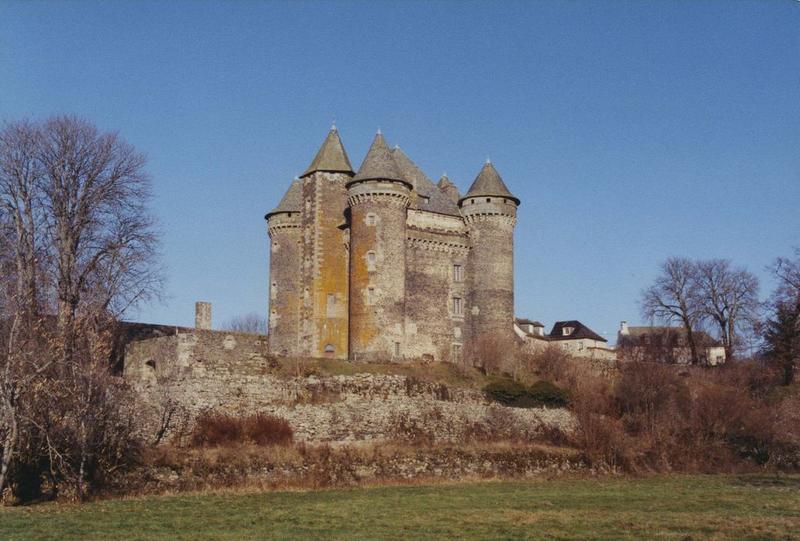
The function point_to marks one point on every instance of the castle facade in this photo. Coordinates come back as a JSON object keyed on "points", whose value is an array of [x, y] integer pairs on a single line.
{"points": [[383, 264]]}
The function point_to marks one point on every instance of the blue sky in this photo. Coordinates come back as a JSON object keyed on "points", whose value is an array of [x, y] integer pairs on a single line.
{"points": [[631, 131]]}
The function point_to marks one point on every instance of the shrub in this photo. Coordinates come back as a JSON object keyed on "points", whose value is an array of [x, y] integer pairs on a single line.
{"points": [[549, 394], [264, 429], [512, 393], [214, 429]]}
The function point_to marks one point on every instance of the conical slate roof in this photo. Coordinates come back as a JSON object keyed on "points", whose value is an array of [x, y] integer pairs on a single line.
{"points": [[489, 183], [331, 156], [413, 174], [379, 164], [292, 199], [442, 203], [446, 186]]}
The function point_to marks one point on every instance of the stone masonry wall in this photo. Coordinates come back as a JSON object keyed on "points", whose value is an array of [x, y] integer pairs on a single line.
{"points": [[229, 372], [433, 325]]}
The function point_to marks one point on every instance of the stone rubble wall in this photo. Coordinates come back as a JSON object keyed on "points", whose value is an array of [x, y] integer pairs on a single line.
{"points": [[232, 373]]}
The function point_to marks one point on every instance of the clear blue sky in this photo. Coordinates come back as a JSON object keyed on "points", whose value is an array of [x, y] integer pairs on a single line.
{"points": [[632, 131]]}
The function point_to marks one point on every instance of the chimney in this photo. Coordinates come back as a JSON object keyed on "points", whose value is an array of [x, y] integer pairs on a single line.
{"points": [[623, 327], [202, 315]]}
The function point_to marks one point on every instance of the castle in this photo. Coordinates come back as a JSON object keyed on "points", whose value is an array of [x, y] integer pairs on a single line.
{"points": [[383, 264]]}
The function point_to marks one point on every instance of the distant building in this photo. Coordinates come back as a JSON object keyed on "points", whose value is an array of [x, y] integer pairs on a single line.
{"points": [[579, 340], [667, 344], [572, 336]]}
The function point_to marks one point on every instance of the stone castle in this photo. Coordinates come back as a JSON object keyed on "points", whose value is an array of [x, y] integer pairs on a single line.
{"points": [[383, 264]]}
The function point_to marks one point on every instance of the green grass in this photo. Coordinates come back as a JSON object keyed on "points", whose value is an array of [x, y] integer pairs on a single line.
{"points": [[697, 507]]}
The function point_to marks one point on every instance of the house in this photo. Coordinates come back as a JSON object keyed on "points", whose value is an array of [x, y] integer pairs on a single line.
{"points": [[667, 344], [572, 336], [579, 340]]}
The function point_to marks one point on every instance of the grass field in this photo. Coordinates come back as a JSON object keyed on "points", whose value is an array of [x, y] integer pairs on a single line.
{"points": [[697, 507]]}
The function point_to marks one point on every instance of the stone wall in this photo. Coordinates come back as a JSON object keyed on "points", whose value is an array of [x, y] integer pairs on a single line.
{"points": [[433, 325], [285, 288], [232, 373]]}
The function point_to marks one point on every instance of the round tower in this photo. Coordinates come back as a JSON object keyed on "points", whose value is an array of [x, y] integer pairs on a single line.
{"points": [[378, 198], [490, 212], [285, 290]]}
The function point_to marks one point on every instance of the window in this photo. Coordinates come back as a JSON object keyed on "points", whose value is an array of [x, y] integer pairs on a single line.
{"points": [[425, 199], [471, 201], [329, 350], [456, 353], [488, 200], [458, 273], [370, 219], [370, 261], [331, 305], [273, 290], [566, 331], [397, 349], [457, 307], [370, 295]]}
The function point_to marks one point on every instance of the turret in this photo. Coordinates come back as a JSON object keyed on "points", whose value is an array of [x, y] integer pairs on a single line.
{"points": [[283, 226], [489, 210], [378, 198], [323, 326]]}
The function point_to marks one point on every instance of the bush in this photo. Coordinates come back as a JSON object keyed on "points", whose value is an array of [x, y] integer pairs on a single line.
{"points": [[548, 394], [512, 393], [214, 429], [264, 429]]}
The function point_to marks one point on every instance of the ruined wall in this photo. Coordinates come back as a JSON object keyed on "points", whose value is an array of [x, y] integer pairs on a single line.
{"points": [[437, 318], [285, 289], [377, 269], [491, 223], [326, 266], [231, 372]]}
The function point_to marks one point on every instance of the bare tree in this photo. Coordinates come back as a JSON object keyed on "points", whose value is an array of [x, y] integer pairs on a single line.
{"points": [[782, 328], [101, 238], [77, 240], [728, 297], [675, 297], [250, 323]]}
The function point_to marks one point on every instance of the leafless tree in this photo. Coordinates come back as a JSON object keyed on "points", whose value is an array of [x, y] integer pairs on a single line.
{"points": [[100, 236], [77, 241], [781, 329], [250, 323], [728, 298], [675, 297]]}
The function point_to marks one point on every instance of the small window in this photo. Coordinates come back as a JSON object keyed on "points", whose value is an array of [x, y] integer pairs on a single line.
{"points": [[397, 349], [425, 199], [151, 364], [370, 219], [371, 261], [329, 350], [488, 200], [566, 331], [331, 304], [273, 290], [458, 273], [471, 201], [458, 309], [370, 295], [456, 353]]}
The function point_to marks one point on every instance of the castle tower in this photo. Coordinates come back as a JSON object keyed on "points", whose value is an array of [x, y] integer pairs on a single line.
{"points": [[378, 199], [324, 299], [489, 210], [285, 289]]}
